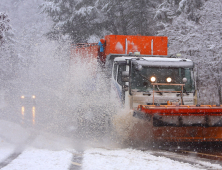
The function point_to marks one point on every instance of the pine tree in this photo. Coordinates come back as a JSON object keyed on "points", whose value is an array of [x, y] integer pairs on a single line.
{"points": [[8, 58], [170, 9], [143, 16], [81, 19], [200, 42], [70, 18], [4, 26]]}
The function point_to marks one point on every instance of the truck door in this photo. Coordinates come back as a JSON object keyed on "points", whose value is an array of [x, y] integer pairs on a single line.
{"points": [[117, 80]]}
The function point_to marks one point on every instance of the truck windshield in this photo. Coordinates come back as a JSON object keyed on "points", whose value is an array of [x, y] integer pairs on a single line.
{"points": [[140, 79]]}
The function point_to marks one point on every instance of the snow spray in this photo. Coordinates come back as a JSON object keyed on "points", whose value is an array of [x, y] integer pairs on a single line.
{"points": [[131, 131]]}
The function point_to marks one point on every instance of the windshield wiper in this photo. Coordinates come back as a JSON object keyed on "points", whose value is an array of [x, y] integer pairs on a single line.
{"points": [[185, 91], [159, 90], [141, 75]]}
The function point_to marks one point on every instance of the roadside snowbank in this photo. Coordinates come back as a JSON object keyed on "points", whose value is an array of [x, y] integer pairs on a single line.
{"points": [[129, 159], [36, 159], [5, 149]]}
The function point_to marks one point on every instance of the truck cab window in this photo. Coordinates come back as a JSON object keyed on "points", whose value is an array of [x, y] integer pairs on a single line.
{"points": [[114, 70], [121, 68]]}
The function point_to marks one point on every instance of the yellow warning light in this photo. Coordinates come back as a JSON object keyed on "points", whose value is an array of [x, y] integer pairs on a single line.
{"points": [[22, 97], [33, 97]]}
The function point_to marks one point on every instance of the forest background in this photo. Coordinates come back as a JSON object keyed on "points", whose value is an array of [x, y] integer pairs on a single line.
{"points": [[32, 27]]}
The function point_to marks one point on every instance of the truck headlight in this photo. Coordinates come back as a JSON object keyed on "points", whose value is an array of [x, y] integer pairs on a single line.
{"points": [[153, 79], [169, 80]]}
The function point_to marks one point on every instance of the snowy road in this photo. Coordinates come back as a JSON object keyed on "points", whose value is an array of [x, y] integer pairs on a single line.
{"points": [[97, 158], [31, 150]]}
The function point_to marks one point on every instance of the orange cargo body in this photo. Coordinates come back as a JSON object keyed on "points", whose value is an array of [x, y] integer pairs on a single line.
{"points": [[84, 51], [124, 44]]}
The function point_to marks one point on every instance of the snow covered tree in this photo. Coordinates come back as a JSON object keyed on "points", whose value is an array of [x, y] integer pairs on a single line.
{"points": [[70, 18], [202, 43], [129, 16], [4, 26], [81, 19], [143, 14], [170, 9], [8, 58]]}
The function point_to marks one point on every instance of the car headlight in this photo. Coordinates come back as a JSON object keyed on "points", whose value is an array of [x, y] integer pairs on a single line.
{"points": [[169, 80]]}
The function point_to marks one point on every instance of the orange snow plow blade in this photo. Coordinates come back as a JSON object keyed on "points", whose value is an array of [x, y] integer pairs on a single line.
{"points": [[182, 123]]}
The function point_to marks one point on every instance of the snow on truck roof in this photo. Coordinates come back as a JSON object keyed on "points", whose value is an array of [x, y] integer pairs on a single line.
{"points": [[158, 61]]}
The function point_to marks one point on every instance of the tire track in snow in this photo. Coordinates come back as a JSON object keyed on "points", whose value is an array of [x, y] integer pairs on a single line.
{"points": [[76, 163], [9, 159], [17, 151]]}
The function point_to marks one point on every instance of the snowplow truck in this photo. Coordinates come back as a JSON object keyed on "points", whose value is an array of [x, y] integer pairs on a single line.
{"points": [[158, 88]]}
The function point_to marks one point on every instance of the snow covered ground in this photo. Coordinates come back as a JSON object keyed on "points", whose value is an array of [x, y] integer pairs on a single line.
{"points": [[48, 151], [36, 159], [6, 149], [128, 159], [96, 159]]}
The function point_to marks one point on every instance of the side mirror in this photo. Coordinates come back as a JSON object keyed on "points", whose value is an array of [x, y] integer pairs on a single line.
{"points": [[125, 76], [139, 67]]}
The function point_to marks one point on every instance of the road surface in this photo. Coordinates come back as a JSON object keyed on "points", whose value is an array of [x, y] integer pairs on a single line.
{"points": [[27, 148]]}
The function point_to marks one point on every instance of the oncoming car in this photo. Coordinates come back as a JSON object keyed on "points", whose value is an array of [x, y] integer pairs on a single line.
{"points": [[28, 100]]}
